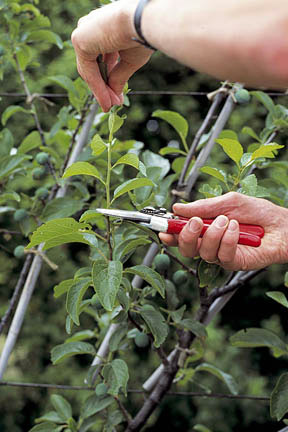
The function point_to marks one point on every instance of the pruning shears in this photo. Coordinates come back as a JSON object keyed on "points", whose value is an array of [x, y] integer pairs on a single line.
{"points": [[163, 221]]}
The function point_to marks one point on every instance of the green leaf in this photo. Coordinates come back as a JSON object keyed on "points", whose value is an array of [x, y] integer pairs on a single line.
{"points": [[82, 168], [128, 159], [44, 427], [61, 208], [51, 416], [249, 131], [214, 172], [171, 150], [30, 142], [10, 111], [9, 196], [45, 36], [156, 324], [177, 315], [98, 146], [150, 276], [117, 336], [58, 232], [226, 378], [115, 122], [74, 298], [63, 351], [228, 133], [131, 185], [201, 428], [116, 375], [123, 250], [286, 279], [249, 185], [9, 164], [257, 337], [207, 273], [81, 335], [178, 122], [266, 151], [194, 326], [152, 160], [232, 148], [62, 406], [210, 192], [95, 404], [62, 287], [279, 398], [265, 100], [107, 280], [278, 297]]}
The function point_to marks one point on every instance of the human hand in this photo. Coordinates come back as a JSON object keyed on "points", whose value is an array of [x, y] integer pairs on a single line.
{"points": [[220, 242], [109, 31]]}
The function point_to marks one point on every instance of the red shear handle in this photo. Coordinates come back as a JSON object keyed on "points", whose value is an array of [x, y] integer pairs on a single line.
{"points": [[246, 237]]}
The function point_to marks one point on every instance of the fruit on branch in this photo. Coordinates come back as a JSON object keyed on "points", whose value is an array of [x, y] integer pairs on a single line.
{"points": [[20, 215], [19, 251], [42, 158], [42, 193], [162, 262], [242, 96], [101, 389], [39, 173], [141, 340], [179, 277]]}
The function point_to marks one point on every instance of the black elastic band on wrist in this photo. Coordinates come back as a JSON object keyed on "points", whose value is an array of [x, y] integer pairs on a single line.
{"points": [[137, 24]]}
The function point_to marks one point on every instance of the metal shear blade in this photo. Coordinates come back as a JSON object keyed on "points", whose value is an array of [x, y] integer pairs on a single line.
{"points": [[125, 214]]}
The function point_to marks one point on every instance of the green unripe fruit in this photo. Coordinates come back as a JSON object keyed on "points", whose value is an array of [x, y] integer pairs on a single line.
{"points": [[162, 262], [242, 96], [179, 277], [20, 215], [141, 340], [42, 193], [101, 389], [39, 173], [42, 158], [19, 252]]}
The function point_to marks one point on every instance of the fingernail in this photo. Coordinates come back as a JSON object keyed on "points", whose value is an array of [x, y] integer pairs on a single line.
{"points": [[195, 225], [221, 221], [233, 225]]}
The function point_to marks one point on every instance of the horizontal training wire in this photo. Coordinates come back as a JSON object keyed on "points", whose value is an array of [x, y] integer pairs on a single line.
{"points": [[171, 393]]}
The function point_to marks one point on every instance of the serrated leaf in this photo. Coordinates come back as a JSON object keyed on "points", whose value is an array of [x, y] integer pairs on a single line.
{"points": [[207, 273], [194, 326], [232, 148], [152, 160], [171, 150], [62, 287], [107, 280], [177, 315], [123, 251], [82, 168], [178, 122], [249, 185], [44, 427], [257, 337], [9, 196], [265, 99], [279, 398], [279, 297], [249, 131], [58, 232], [95, 404], [115, 122], [30, 142], [128, 159], [45, 36], [51, 416], [226, 378], [156, 324], [209, 191], [131, 185], [9, 164], [80, 336], [116, 375], [11, 110], [266, 151], [62, 406], [74, 298], [61, 208], [63, 351], [214, 172], [150, 276], [98, 146], [117, 336]]}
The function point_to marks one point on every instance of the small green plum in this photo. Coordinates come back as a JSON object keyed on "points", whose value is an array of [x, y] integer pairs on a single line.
{"points": [[179, 277], [20, 215], [42, 158], [162, 262]]}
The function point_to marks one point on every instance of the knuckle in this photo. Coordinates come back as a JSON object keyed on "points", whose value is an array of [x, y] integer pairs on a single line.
{"points": [[233, 196]]}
